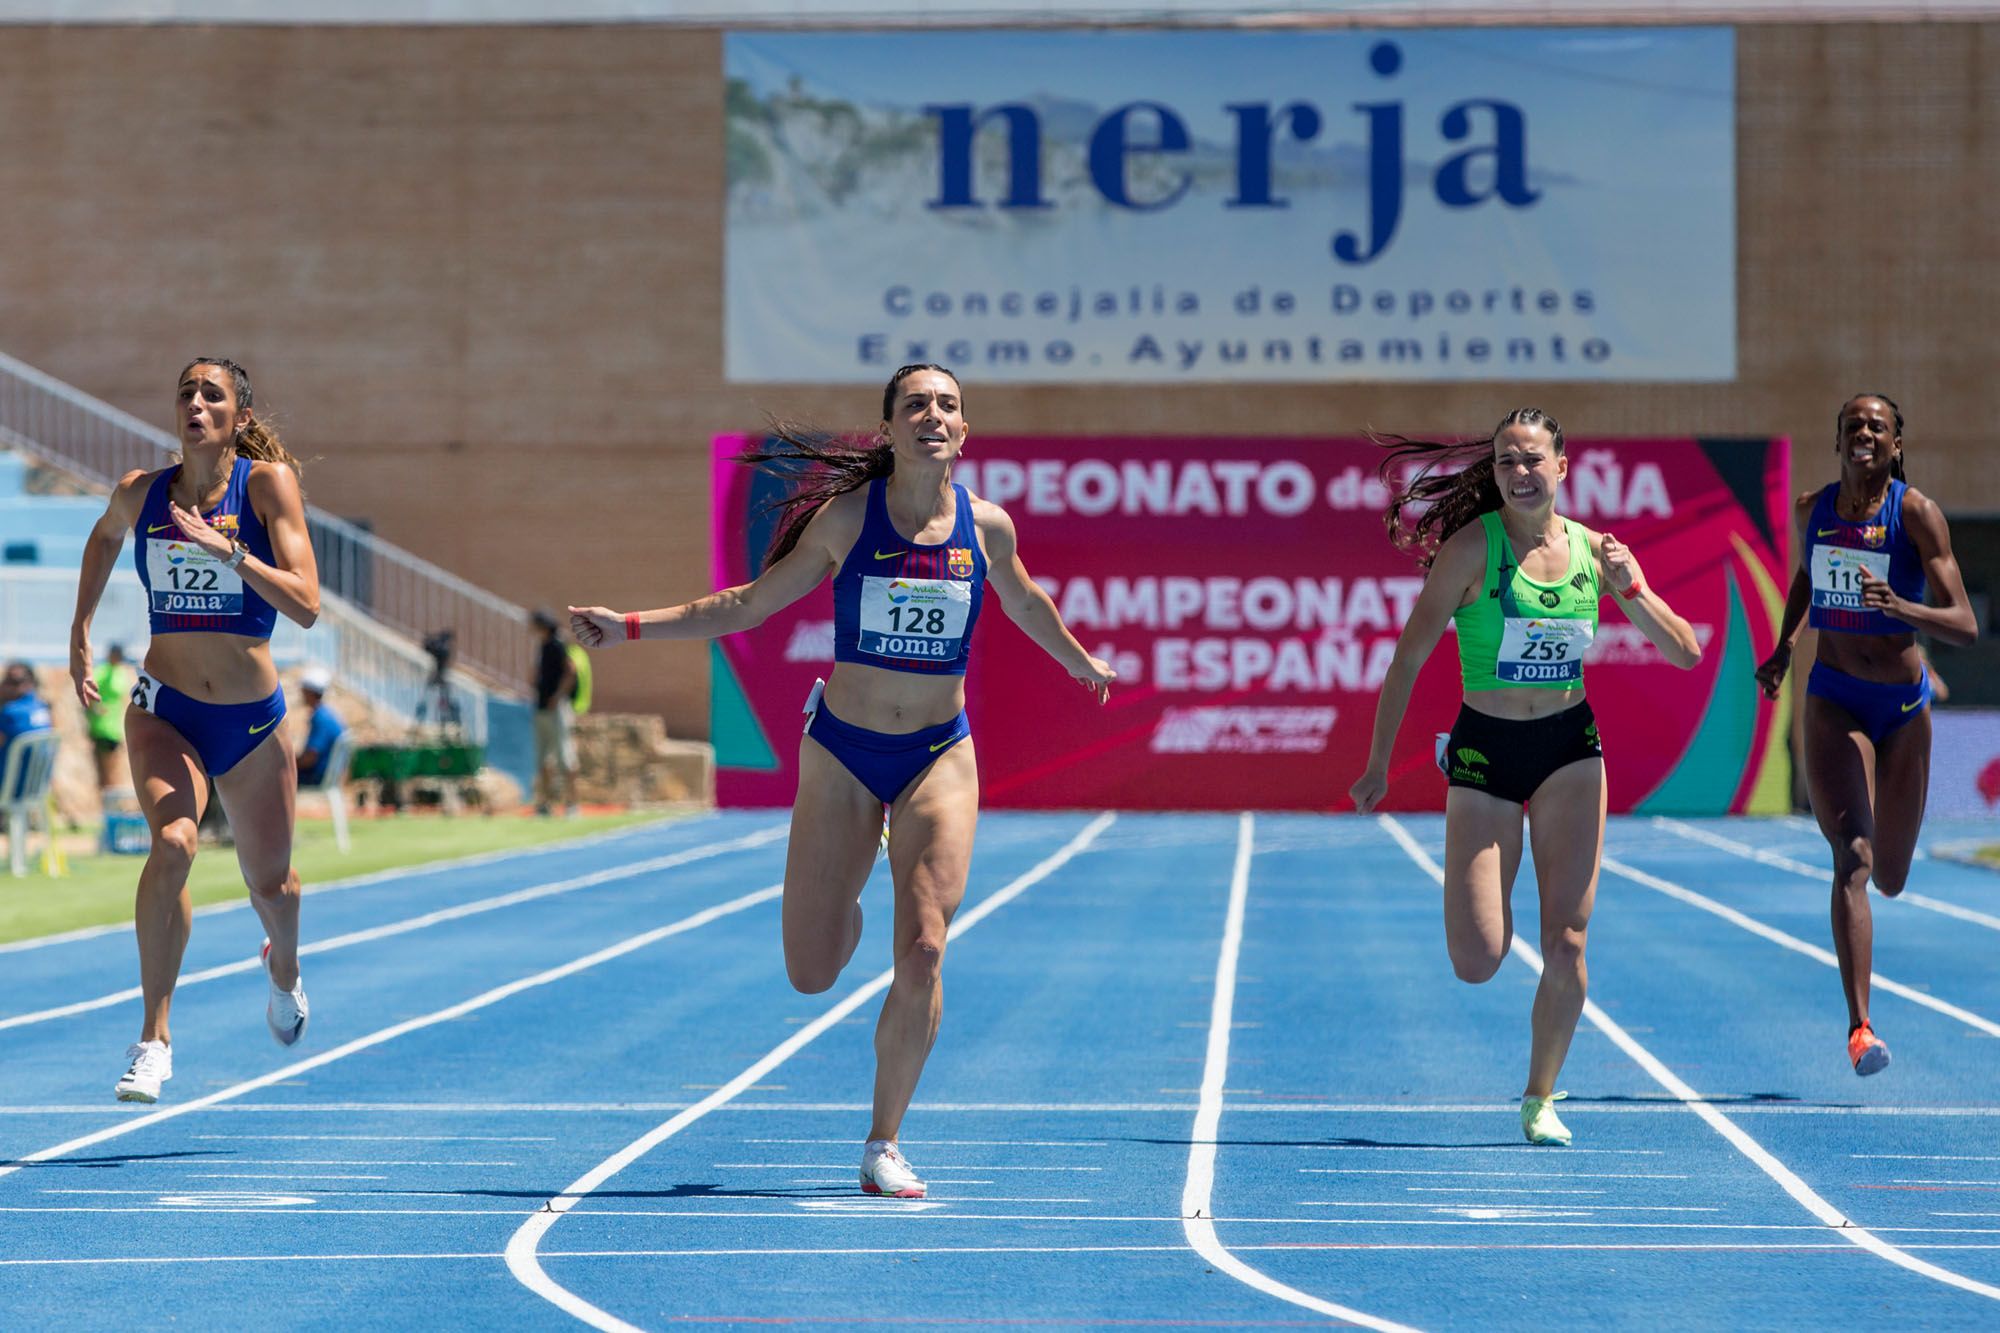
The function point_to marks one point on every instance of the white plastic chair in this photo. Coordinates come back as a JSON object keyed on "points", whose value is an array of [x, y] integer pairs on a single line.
{"points": [[331, 784], [24, 787]]}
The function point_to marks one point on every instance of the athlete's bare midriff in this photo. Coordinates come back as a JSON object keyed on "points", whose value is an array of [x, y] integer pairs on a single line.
{"points": [[1886, 659], [892, 702], [1523, 705], [213, 668]]}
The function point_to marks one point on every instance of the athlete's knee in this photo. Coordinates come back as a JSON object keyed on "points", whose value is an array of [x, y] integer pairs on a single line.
{"points": [[1890, 879], [1854, 863], [921, 963], [271, 889], [811, 973], [1476, 963], [1562, 949], [175, 844]]}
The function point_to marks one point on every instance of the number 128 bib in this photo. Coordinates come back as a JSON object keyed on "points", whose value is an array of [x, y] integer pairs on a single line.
{"points": [[921, 618]]}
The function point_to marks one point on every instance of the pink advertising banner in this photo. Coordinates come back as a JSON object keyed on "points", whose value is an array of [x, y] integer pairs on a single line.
{"points": [[1248, 596]]}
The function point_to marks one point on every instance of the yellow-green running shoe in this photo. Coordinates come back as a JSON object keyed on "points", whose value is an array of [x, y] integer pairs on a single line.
{"points": [[1539, 1122]]}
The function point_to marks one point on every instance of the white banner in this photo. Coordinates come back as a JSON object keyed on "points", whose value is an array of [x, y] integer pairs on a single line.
{"points": [[1190, 207]]}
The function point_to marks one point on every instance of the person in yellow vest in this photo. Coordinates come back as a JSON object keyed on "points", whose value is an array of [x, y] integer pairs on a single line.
{"points": [[106, 721]]}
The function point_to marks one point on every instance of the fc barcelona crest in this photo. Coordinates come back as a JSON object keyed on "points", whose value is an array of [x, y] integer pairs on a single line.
{"points": [[958, 559]]}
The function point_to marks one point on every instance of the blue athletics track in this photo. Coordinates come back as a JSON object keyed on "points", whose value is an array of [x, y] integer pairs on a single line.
{"points": [[1200, 1071]]}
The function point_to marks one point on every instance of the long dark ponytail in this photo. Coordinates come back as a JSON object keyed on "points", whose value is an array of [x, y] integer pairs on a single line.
{"points": [[1454, 482], [823, 465]]}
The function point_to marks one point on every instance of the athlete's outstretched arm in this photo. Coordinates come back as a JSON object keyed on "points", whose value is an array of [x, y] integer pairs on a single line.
{"points": [[100, 556], [1660, 623], [1952, 620], [1456, 572], [1029, 607], [1798, 601], [818, 553]]}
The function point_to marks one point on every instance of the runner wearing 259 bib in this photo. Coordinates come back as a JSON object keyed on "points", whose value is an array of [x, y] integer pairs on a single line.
{"points": [[1871, 549], [1522, 583], [911, 553]]}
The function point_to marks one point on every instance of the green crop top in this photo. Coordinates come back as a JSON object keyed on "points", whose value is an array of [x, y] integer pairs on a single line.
{"points": [[1522, 634]]}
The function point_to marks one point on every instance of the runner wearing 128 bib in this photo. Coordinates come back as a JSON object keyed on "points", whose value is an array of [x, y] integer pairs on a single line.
{"points": [[910, 552]]}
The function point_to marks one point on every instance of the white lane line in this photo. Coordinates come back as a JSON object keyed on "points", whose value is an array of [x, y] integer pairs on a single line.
{"points": [[396, 873], [1662, 1106], [304, 1161], [842, 1166], [1819, 874], [1716, 1120], [1440, 1207], [407, 924], [1921, 1157], [522, 1245], [1197, 1197], [282, 1175], [1907, 1180], [955, 1143], [1531, 1175], [1494, 1189], [877, 1251], [445, 1015], [385, 1138], [1795, 944]]}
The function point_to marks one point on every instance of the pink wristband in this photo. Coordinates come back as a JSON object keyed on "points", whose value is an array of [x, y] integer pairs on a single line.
{"points": [[1629, 593], [632, 625]]}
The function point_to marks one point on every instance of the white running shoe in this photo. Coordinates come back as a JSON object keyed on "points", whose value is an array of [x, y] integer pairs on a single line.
{"points": [[884, 1170], [152, 1065], [286, 1012]]}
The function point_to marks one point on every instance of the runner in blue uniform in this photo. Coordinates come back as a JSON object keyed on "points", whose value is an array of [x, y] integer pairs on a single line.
{"points": [[221, 547], [1869, 547], [911, 553]]}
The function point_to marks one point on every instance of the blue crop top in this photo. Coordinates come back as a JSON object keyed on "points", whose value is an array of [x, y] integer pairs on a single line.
{"points": [[187, 588], [1837, 549], [904, 605]]}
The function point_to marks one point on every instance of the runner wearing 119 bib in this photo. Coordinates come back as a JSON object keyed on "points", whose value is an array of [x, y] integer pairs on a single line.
{"points": [[1522, 583], [911, 554], [1871, 547]]}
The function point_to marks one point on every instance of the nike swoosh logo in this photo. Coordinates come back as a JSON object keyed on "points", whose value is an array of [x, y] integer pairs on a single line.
{"points": [[266, 727], [941, 744], [889, 555], [1826, 532], [162, 527], [1913, 707]]}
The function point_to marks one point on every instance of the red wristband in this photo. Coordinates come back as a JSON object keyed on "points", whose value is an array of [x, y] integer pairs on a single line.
{"points": [[632, 625], [1629, 593]]}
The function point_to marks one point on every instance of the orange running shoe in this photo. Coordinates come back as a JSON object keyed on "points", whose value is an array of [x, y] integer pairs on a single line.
{"points": [[1869, 1052]]}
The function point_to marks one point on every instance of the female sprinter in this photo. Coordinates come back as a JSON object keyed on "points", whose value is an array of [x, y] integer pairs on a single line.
{"points": [[1522, 583], [221, 549], [888, 727], [1868, 547]]}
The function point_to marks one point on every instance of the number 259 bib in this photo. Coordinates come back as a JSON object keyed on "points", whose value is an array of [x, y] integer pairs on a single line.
{"points": [[1541, 650], [921, 618], [1836, 575], [188, 581]]}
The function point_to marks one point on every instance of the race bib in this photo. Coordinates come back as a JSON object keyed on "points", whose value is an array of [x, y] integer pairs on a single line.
{"points": [[1836, 575], [920, 618], [1537, 652], [144, 692], [188, 581]]}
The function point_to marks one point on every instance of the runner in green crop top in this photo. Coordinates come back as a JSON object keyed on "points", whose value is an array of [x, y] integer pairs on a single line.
{"points": [[1525, 633], [1522, 583]]}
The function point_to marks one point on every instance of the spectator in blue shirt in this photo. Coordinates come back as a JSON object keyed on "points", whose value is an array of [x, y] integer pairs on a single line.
{"points": [[21, 710], [322, 731]]}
